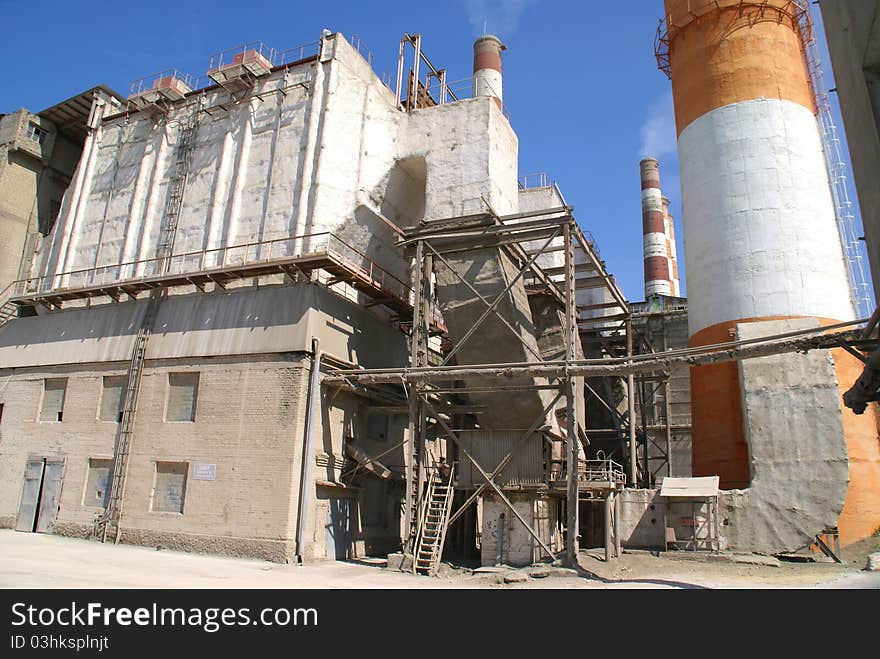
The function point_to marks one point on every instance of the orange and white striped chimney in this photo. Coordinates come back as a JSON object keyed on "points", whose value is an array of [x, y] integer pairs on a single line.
{"points": [[661, 268], [488, 80], [758, 216]]}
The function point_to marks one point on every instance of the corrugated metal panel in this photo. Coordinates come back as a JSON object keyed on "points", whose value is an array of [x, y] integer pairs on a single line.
{"points": [[490, 447]]}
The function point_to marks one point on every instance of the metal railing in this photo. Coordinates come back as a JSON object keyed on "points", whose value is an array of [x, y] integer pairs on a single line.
{"points": [[601, 471], [230, 55], [358, 44], [534, 180], [298, 53], [217, 260], [158, 80], [666, 30]]}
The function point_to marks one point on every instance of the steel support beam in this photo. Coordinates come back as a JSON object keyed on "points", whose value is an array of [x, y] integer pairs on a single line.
{"points": [[497, 301], [571, 403], [455, 438]]}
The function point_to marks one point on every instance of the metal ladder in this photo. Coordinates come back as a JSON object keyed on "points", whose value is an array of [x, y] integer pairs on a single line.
{"points": [[109, 521], [433, 523], [176, 187]]}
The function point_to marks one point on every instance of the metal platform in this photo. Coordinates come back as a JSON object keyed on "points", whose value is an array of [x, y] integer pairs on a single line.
{"points": [[299, 256]]}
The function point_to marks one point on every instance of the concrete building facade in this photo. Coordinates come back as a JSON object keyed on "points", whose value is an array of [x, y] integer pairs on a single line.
{"points": [[198, 199], [38, 155]]}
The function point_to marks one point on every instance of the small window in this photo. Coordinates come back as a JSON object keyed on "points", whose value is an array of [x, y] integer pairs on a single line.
{"points": [[97, 492], [169, 487], [36, 133], [183, 392], [54, 390], [1, 411], [377, 426], [112, 398]]}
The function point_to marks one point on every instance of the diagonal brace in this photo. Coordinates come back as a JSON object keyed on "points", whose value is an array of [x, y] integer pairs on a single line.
{"points": [[507, 458], [484, 301], [500, 297], [483, 473]]}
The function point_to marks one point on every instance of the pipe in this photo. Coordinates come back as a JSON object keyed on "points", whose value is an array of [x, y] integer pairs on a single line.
{"points": [[609, 530], [617, 524], [305, 480], [813, 339]]}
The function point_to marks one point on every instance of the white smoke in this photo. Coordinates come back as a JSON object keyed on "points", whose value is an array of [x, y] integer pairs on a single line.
{"points": [[499, 17], [658, 130]]}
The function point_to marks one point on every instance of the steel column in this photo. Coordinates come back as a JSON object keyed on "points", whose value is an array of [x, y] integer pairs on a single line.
{"points": [[571, 407], [631, 408]]}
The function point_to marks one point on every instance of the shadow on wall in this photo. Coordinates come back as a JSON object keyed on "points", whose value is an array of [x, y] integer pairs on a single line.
{"points": [[399, 201]]}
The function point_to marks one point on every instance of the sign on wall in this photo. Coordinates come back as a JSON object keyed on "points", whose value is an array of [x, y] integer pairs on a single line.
{"points": [[204, 472]]}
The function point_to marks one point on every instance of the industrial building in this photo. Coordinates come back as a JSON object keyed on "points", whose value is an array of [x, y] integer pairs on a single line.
{"points": [[38, 155], [291, 311]]}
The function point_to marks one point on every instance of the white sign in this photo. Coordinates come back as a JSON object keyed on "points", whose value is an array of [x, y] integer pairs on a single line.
{"points": [[204, 472]]}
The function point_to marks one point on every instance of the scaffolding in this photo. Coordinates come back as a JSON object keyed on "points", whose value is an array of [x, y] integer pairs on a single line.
{"points": [[430, 395]]}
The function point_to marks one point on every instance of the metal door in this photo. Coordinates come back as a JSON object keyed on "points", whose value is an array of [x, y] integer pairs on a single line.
{"points": [[339, 529], [50, 499], [30, 495]]}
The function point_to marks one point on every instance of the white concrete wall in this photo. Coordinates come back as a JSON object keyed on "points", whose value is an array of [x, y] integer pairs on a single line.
{"points": [[760, 234], [324, 156]]}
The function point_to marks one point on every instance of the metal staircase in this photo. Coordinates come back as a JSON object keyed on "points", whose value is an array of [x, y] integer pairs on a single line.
{"points": [[109, 522], [432, 525], [8, 310]]}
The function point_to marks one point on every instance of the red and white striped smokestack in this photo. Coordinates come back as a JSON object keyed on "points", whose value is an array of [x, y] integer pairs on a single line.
{"points": [[661, 269], [487, 67], [671, 251]]}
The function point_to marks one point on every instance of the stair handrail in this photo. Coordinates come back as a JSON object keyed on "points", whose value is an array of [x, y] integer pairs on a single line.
{"points": [[423, 514], [435, 559]]}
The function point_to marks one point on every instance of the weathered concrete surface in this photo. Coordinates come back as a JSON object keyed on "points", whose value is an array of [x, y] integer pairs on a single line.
{"points": [[641, 519], [238, 322], [548, 315], [799, 464], [490, 271], [873, 563], [519, 548]]}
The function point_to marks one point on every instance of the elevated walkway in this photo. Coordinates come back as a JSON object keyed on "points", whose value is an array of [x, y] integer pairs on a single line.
{"points": [[299, 256]]}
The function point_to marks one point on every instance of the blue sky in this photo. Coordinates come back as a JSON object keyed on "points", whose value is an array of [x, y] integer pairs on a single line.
{"points": [[581, 82]]}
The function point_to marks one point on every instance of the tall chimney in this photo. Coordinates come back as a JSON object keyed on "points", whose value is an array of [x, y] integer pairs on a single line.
{"points": [[661, 270], [672, 253], [487, 67], [758, 217]]}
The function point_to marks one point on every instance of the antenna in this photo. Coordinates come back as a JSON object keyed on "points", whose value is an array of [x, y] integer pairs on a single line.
{"points": [[485, 27]]}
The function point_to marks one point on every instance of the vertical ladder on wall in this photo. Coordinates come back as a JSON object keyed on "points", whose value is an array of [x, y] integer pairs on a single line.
{"points": [[853, 250], [176, 187], [433, 523], [109, 522]]}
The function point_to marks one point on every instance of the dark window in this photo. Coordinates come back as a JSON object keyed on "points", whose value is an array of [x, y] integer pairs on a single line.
{"points": [[37, 134]]}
